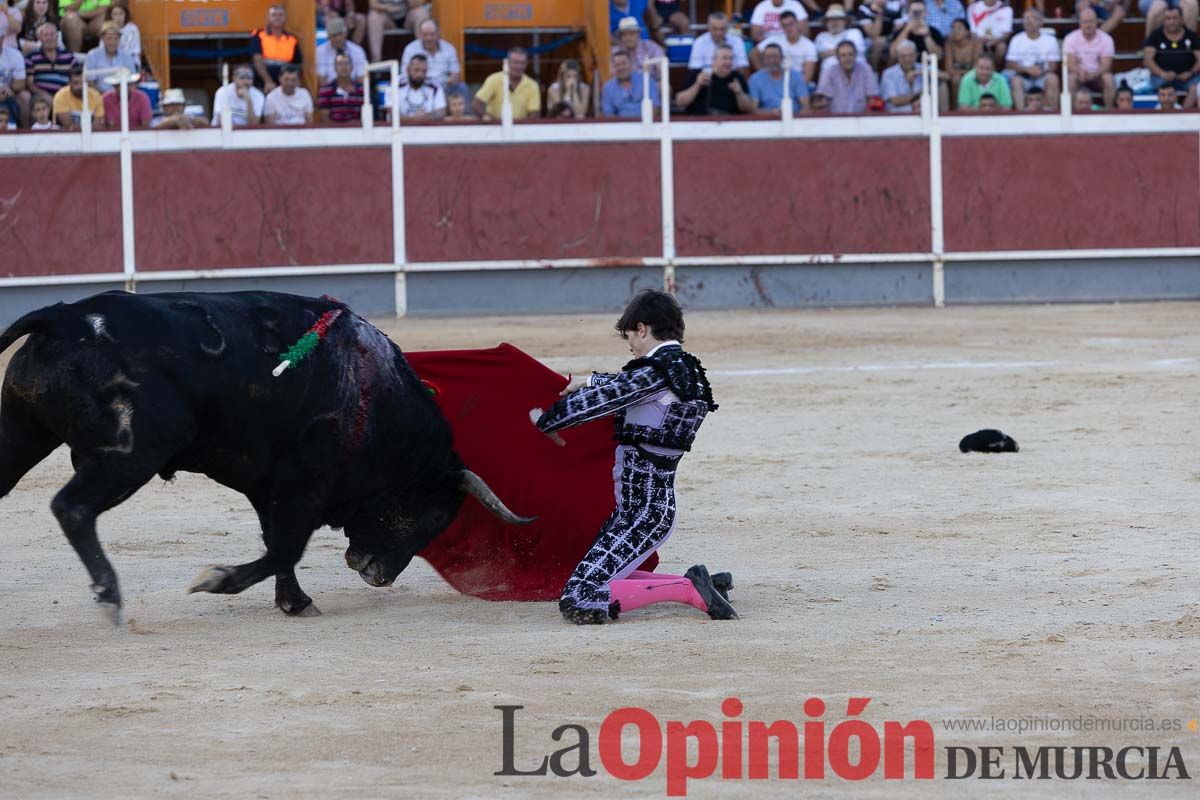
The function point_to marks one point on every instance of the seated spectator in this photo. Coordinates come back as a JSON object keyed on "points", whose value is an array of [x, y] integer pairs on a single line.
{"points": [[10, 24], [719, 90], [847, 86], [915, 28], [7, 121], [672, 14], [562, 110], [174, 113], [456, 108], [798, 49], [39, 115], [962, 51], [1168, 99], [273, 47], [80, 18], [1081, 100], [629, 39], [1170, 53], [992, 22], [942, 13], [140, 112], [356, 21], [705, 47], [1035, 100], [838, 30], [337, 43], [341, 99], [289, 103], [442, 66], [987, 102], [1124, 101], [879, 19], [1153, 10], [131, 36], [901, 82], [1089, 52], [14, 92], [108, 54], [420, 99], [766, 85], [637, 10], [524, 94], [1033, 62], [570, 88], [383, 15], [49, 68], [68, 103], [242, 97], [983, 80], [1109, 12], [765, 21], [622, 95], [37, 12]]}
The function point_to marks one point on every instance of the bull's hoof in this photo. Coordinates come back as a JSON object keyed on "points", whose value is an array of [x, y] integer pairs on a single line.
{"points": [[112, 613], [299, 609], [213, 579]]}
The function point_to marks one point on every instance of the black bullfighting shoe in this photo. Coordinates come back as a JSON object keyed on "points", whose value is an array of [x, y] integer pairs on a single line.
{"points": [[723, 583], [582, 616], [718, 606]]}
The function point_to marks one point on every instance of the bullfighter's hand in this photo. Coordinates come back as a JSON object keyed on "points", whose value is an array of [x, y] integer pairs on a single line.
{"points": [[572, 385], [534, 415]]}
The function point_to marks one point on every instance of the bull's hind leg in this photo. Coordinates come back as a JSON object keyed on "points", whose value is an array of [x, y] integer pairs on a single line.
{"points": [[99, 484]]}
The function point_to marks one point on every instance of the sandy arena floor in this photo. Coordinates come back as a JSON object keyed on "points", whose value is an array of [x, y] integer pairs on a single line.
{"points": [[872, 559]]}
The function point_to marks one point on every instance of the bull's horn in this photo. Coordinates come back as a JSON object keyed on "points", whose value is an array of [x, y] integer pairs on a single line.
{"points": [[474, 486]]}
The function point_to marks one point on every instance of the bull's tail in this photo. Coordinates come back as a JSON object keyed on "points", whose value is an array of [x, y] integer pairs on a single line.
{"points": [[475, 486], [44, 320]]}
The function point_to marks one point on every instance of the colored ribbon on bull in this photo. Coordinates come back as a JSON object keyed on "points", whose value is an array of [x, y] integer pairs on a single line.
{"points": [[308, 342]]}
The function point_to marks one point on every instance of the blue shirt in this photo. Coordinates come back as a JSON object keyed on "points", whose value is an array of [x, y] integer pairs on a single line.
{"points": [[637, 8], [617, 101], [768, 91], [941, 18]]}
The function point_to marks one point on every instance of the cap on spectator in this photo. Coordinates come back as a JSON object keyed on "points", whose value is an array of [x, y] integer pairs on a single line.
{"points": [[334, 26], [835, 11], [110, 27], [628, 24], [173, 97]]}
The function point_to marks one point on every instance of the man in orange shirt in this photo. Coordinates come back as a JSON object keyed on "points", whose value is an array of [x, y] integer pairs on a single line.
{"points": [[273, 47]]}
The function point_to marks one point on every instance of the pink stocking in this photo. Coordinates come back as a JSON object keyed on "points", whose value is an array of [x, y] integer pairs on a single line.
{"points": [[642, 575], [634, 593]]}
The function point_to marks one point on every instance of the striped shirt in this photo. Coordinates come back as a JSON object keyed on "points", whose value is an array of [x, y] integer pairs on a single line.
{"points": [[342, 105], [49, 75]]}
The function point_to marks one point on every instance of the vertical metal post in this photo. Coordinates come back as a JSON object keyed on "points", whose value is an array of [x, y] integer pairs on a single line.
{"points": [[667, 177], [506, 113], [786, 110], [937, 232], [1064, 101], [399, 245], [129, 256], [647, 106]]}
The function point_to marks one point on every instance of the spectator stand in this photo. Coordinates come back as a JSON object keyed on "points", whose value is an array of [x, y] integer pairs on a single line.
{"points": [[188, 42], [579, 29]]}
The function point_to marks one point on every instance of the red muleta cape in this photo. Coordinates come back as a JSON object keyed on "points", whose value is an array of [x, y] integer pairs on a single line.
{"points": [[486, 396]]}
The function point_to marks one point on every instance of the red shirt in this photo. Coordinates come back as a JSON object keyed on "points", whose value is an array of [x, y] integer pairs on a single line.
{"points": [[140, 112]]}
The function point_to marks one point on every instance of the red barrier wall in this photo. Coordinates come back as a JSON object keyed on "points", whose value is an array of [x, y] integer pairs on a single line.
{"points": [[521, 201], [303, 207], [1078, 192], [802, 196], [60, 215]]}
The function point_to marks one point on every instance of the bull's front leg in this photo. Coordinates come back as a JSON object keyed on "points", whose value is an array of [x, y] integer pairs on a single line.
{"points": [[290, 598]]}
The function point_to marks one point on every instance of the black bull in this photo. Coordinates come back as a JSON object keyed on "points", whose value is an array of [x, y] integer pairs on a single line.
{"points": [[139, 385]]}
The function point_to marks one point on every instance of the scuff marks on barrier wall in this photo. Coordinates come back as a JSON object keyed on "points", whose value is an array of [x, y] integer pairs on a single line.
{"points": [[60, 215], [526, 202]]}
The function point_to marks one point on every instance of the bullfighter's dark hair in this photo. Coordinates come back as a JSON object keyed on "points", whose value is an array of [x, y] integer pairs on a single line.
{"points": [[656, 310]]}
